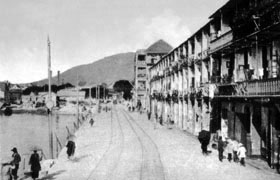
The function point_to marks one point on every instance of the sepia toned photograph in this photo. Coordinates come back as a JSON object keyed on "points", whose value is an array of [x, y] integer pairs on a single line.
{"points": [[140, 89]]}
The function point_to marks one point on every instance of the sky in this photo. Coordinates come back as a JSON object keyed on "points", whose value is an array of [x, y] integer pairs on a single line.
{"points": [[83, 31]]}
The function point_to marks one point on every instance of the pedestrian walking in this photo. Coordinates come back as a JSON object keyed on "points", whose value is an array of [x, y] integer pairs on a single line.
{"points": [[221, 148], [149, 115], [169, 122], [91, 122], [139, 105], [70, 147], [35, 164], [241, 154], [141, 110], [229, 149], [235, 149], [204, 138], [15, 163], [154, 119]]}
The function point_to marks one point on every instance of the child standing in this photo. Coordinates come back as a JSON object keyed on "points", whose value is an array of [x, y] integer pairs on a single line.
{"points": [[91, 122], [221, 148], [235, 149], [155, 121], [241, 154], [229, 149]]}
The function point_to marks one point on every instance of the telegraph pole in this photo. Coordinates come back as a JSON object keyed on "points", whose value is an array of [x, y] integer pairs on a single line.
{"points": [[49, 66], [49, 101], [77, 100]]}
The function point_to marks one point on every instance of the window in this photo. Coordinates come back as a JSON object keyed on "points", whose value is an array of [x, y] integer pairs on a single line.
{"points": [[141, 57]]}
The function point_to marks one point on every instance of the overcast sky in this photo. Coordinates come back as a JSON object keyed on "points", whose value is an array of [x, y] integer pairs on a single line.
{"points": [[82, 31]]}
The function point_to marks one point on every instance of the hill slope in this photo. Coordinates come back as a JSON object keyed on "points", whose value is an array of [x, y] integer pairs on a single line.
{"points": [[106, 70]]}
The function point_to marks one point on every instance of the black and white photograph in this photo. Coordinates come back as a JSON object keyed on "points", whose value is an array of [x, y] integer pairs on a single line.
{"points": [[139, 89]]}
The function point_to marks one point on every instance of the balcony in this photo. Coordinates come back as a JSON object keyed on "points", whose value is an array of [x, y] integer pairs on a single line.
{"points": [[270, 14], [267, 87], [141, 90], [216, 79], [191, 60], [221, 41], [141, 76], [205, 54], [141, 63], [191, 57]]}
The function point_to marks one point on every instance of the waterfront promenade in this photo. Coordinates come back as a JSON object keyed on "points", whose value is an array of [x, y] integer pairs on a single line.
{"points": [[125, 145]]}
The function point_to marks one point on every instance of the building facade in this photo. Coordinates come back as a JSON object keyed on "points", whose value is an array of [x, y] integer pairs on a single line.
{"points": [[226, 78], [144, 59], [4, 92]]}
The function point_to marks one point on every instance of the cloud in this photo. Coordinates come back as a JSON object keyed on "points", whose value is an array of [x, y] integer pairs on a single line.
{"points": [[78, 36], [167, 26], [23, 65]]}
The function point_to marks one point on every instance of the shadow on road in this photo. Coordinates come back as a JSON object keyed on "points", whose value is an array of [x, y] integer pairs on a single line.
{"points": [[78, 159], [52, 175]]}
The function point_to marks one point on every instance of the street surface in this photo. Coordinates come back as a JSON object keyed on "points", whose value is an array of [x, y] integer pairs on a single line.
{"points": [[124, 145]]}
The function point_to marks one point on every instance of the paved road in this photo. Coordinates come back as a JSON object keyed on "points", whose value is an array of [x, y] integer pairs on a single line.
{"points": [[125, 146], [131, 154]]}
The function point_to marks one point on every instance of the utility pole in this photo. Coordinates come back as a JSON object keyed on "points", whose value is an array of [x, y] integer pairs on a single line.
{"points": [[96, 92], [49, 67], [49, 101], [104, 92], [90, 95], [77, 100]]}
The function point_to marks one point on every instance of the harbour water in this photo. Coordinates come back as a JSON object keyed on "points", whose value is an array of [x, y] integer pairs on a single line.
{"points": [[25, 131]]}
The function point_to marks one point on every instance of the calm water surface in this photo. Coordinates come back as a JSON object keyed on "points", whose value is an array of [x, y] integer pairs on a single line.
{"points": [[26, 130]]}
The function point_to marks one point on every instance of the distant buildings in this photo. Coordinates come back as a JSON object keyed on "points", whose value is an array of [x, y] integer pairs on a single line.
{"points": [[15, 92], [10, 93], [144, 59], [4, 92], [226, 78], [72, 93]]}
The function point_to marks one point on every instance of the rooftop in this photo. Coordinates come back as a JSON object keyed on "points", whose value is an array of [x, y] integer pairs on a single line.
{"points": [[159, 46]]}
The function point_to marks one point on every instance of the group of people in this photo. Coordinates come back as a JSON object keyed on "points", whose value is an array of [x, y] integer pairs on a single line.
{"points": [[235, 150], [34, 163], [138, 106], [71, 145], [158, 119]]}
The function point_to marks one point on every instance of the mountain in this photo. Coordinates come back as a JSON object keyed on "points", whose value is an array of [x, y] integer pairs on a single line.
{"points": [[107, 70]]}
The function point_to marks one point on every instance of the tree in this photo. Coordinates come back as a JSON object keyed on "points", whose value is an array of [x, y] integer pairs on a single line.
{"points": [[125, 87]]}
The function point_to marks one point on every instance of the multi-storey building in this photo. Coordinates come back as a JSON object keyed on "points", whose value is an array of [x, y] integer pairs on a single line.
{"points": [[144, 59], [226, 77], [4, 93]]}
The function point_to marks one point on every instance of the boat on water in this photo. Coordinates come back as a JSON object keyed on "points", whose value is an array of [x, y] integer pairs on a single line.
{"points": [[8, 111]]}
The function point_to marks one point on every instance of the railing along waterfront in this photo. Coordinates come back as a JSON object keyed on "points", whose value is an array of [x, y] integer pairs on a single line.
{"points": [[265, 87]]}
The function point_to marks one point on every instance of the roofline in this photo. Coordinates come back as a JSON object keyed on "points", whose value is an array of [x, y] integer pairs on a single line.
{"points": [[184, 42], [218, 10]]}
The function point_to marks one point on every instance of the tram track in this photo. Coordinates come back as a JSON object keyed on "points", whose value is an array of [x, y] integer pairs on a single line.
{"points": [[109, 161], [108, 148], [146, 164], [141, 145], [151, 166], [119, 154]]}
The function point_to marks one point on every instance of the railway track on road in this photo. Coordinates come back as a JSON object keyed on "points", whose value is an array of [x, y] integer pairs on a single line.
{"points": [[110, 158], [151, 166]]}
